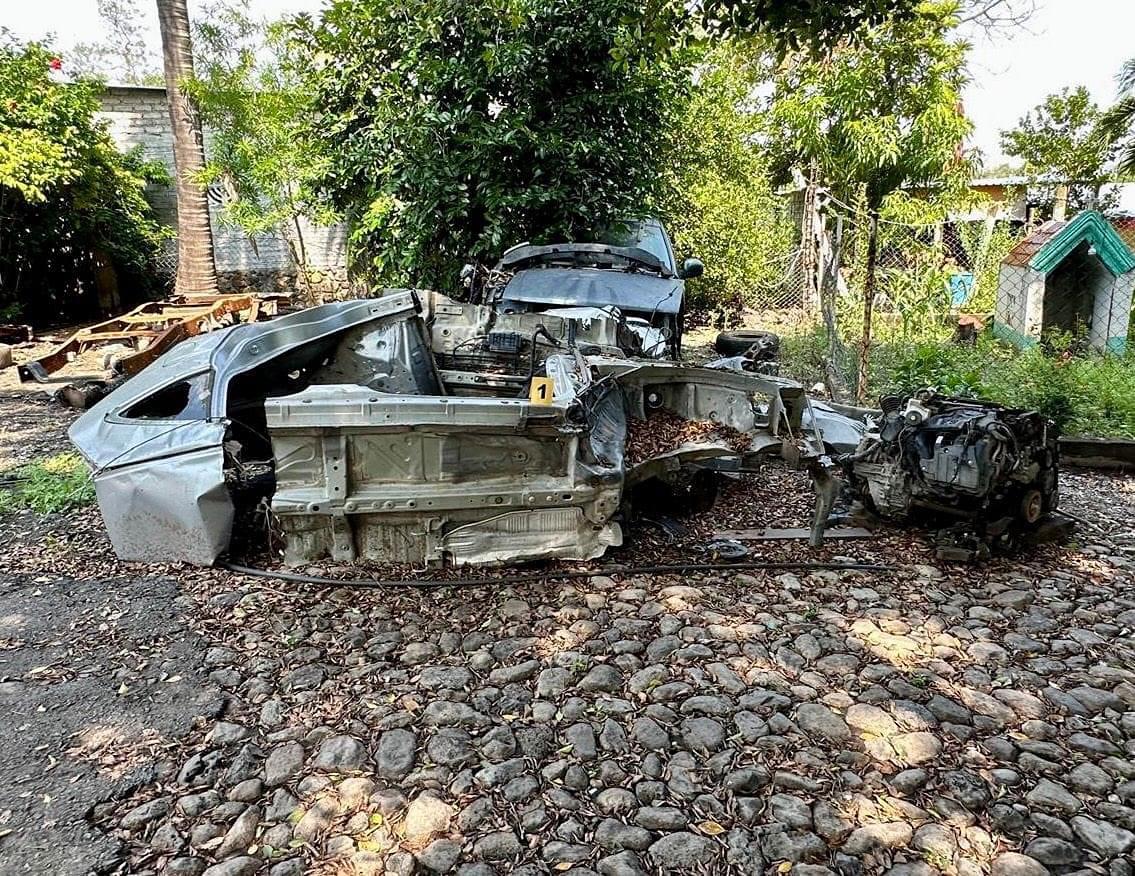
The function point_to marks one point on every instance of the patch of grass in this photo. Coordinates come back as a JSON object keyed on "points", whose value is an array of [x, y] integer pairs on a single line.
{"points": [[54, 484], [1087, 394], [1083, 394]]}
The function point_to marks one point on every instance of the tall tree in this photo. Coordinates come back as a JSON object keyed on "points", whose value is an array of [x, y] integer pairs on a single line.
{"points": [[75, 230], [456, 128], [196, 269], [720, 204], [1118, 124], [875, 114], [260, 153], [1060, 142], [791, 24]]}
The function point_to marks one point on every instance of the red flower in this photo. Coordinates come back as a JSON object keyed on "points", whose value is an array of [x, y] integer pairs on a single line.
{"points": [[55, 64]]}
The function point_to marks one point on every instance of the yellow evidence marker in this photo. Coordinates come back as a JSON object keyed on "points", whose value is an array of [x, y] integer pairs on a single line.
{"points": [[541, 391]]}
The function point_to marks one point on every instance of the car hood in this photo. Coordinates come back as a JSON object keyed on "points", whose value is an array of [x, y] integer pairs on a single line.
{"points": [[593, 287]]}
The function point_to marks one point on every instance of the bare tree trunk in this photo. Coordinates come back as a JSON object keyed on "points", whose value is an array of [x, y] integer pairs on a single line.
{"points": [[196, 270], [829, 290], [810, 267], [868, 307], [1060, 203]]}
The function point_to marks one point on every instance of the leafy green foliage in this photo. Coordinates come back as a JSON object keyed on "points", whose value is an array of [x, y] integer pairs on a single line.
{"points": [[261, 154], [1084, 395], [457, 128], [71, 204], [879, 112], [1088, 395], [875, 114], [792, 24], [986, 248], [1061, 139], [54, 484], [721, 206], [1117, 126]]}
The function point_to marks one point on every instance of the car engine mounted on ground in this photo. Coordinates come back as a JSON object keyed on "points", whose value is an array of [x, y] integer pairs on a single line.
{"points": [[419, 430], [991, 469]]}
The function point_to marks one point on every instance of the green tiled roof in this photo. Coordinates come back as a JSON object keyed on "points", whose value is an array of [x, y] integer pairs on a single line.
{"points": [[1091, 226]]}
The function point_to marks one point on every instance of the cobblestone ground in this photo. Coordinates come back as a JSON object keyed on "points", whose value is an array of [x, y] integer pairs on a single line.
{"points": [[933, 719]]}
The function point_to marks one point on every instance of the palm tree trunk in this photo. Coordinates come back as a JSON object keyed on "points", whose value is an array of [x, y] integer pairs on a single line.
{"points": [[868, 307], [196, 270]]}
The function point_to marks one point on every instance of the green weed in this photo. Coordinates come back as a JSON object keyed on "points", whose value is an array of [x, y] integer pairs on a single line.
{"points": [[1088, 394], [56, 483]]}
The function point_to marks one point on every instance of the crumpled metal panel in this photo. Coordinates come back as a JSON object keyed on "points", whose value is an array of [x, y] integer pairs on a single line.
{"points": [[837, 430], [162, 493], [548, 533], [175, 509], [160, 482]]}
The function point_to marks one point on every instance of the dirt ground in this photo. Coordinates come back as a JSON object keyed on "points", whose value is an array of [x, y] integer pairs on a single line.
{"points": [[914, 720]]}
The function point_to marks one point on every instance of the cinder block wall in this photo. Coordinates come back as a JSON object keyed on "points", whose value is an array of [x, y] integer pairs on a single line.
{"points": [[139, 116]]}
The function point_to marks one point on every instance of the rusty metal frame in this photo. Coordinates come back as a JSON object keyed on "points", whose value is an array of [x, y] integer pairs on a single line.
{"points": [[165, 323]]}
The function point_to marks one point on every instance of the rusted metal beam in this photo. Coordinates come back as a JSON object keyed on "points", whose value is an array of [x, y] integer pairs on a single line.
{"points": [[171, 322]]}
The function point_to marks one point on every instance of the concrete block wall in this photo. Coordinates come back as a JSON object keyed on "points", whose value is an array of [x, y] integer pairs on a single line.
{"points": [[139, 116], [1111, 313]]}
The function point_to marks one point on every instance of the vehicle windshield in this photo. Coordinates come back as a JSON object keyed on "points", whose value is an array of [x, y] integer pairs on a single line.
{"points": [[644, 235]]}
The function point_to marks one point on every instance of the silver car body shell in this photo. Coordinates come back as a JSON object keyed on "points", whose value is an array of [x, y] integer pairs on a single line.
{"points": [[469, 480], [160, 482], [368, 464]]}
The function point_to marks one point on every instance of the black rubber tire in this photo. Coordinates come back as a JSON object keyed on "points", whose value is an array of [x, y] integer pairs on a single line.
{"points": [[738, 341]]}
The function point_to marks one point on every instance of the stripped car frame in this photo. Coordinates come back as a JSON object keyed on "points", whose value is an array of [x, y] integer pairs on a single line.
{"points": [[374, 429]]}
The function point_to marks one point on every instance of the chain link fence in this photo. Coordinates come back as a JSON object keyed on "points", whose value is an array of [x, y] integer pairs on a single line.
{"points": [[165, 266], [1032, 317]]}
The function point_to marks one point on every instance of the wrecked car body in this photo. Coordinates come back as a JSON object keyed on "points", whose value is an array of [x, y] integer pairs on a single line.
{"points": [[629, 274], [415, 430], [989, 470], [629, 287], [161, 445]]}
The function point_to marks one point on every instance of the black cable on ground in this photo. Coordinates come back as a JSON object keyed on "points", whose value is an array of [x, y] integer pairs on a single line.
{"points": [[528, 577]]}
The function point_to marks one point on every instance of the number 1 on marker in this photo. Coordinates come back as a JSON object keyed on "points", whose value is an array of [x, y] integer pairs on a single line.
{"points": [[541, 391]]}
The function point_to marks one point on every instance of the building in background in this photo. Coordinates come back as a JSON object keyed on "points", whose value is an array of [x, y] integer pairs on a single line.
{"points": [[138, 116]]}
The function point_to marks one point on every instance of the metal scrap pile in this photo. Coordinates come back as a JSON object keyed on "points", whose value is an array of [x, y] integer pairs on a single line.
{"points": [[370, 432], [989, 471], [663, 432]]}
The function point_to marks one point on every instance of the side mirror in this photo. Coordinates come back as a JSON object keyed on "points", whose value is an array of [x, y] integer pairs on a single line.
{"points": [[691, 268], [466, 276]]}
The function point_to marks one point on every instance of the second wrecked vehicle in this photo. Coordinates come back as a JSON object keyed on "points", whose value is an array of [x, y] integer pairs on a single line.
{"points": [[409, 430], [629, 274]]}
